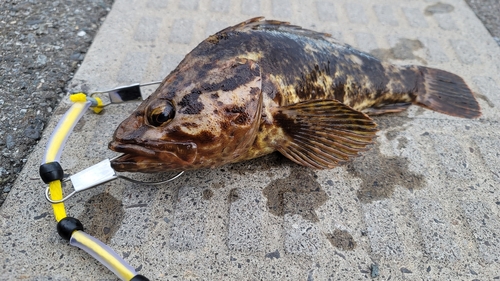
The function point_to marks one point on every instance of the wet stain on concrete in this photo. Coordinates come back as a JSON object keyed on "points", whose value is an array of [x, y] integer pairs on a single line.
{"points": [[341, 239], [438, 8], [420, 110], [380, 175], [103, 216], [392, 121], [219, 184], [402, 142], [207, 194], [259, 165], [298, 193], [486, 99], [393, 134], [233, 195], [79, 126], [403, 50]]}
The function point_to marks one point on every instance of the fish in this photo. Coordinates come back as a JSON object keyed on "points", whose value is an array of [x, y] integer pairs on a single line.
{"points": [[265, 85]]}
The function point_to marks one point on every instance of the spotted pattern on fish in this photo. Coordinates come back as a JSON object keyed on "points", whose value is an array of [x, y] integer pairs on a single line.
{"points": [[266, 85]]}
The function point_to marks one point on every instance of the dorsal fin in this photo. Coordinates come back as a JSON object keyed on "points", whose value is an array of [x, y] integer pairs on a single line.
{"points": [[259, 23]]}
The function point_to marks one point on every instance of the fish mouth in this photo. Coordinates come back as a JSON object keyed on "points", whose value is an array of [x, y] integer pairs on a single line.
{"points": [[153, 158]]}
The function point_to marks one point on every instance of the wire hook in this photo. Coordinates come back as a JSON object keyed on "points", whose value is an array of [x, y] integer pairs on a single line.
{"points": [[96, 175]]}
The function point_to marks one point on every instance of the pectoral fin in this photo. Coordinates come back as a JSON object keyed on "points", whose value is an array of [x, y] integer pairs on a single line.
{"points": [[388, 108], [322, 133]]}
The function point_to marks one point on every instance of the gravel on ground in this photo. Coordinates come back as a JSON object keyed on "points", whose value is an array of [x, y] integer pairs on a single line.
{"points": [[42, 43]]}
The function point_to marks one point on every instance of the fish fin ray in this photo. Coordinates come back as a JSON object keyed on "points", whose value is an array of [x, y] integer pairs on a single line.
{"points": [[326, 152], [447, 93], [260, 23], [388, 108], [305, 157], [328, 146], [339, 149]]}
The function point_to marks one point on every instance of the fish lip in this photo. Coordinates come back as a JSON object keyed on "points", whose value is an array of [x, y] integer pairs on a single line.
{"points": [[156, 152], [132, 149]]}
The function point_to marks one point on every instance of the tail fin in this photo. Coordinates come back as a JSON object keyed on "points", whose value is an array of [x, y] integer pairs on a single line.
{"points": [[447, 93]]}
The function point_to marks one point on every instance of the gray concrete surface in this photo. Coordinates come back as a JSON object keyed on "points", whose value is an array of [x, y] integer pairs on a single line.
{"points": [[488, 11], [41, 46], [423, 203]]}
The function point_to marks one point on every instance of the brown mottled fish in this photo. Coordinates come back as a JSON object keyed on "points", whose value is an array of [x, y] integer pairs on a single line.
{"points": [[266, 85]]}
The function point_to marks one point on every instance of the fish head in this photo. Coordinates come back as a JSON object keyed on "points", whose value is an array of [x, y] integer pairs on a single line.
{"points": [[203, 115]]}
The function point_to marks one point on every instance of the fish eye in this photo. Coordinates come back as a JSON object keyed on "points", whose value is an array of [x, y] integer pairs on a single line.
{"points": [[160, 113]]}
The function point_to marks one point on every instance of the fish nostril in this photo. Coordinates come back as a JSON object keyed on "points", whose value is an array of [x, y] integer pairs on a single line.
{"points": [[132, 134]]}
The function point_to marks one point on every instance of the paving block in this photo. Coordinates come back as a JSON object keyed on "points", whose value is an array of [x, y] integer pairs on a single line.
{"points": [[381, 228], [356, 13], [434, 50], [147, 29], [485, 227], [189, 5], [489, 89], [385, 15], [434, 228], [327, 11], [246, 220], [491, 156], [137, 208], [452, 156], [181, 31], [403, 48], [282, 9], [169, 62], [404, 144], [134, 230], [157, 4], [188, 230], [301, 235], [250, 7], [415, 17], [366, 41], [214, 26], [133, 67], [445, 21], [465, 51], [220, 6]]}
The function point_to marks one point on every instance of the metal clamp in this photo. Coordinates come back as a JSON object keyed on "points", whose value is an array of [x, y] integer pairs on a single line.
{"points": [[124, 93], [90, 177], [96, 175]]}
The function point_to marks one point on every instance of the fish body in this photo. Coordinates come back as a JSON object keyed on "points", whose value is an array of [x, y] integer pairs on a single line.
{"points": [[265, 85]]}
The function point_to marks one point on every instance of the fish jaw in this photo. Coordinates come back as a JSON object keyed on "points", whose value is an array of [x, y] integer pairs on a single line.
{"points": [[165, 156], [146, 149]]}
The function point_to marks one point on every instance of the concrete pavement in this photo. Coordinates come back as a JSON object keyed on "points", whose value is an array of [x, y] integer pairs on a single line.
{"points": [[423, 203]]}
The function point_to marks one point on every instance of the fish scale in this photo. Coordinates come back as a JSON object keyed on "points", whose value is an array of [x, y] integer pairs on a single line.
{"points": [[296, 91]]}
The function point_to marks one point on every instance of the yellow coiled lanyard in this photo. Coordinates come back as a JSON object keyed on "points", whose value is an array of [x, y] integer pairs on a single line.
{"points": [[52, 174]]}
